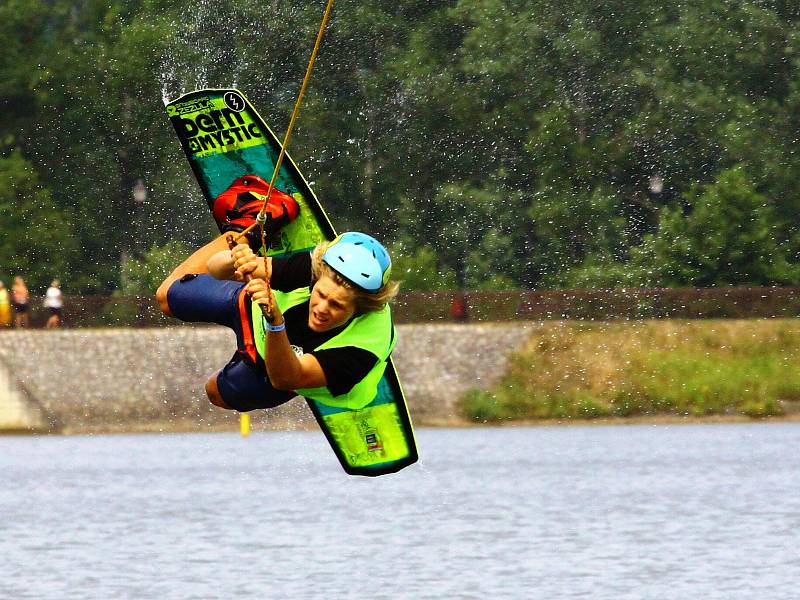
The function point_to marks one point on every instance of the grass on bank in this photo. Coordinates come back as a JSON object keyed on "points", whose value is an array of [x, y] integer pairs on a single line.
{"points": [[577, 370]]}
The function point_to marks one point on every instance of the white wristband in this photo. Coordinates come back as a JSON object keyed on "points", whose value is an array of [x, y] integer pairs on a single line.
{"points": [[270, 327]]}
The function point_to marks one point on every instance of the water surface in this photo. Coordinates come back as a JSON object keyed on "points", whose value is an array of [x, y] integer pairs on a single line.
{"points": [[640, 512]]}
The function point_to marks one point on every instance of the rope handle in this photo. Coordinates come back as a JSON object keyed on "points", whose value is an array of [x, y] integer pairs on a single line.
{"points": [[269, 315]]}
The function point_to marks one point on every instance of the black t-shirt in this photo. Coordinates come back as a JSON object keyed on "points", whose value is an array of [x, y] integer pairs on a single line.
{"points": [[343, 367]]}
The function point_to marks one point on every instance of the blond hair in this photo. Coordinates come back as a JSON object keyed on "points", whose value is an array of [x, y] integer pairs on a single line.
{"points": [[364, 301]]}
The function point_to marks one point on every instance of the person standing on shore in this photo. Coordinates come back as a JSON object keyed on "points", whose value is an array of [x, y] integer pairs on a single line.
{"points": [[53, 302], [5, 306], [20, 299]]}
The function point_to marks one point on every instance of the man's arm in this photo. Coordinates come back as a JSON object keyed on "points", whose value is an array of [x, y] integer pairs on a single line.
{"points": [[286, 370], [235, 264]]}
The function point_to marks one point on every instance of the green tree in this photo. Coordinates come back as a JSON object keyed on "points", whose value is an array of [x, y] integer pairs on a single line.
{"points": [[725, 239], [418, 269], [142, 276], [516, 139], [37, 242], [466, 227]]}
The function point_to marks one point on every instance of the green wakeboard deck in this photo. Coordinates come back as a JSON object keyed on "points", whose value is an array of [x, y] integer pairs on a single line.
{"points": [[224, 138]]}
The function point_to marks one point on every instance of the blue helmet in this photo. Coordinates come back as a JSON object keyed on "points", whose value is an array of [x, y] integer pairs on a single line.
{"points": [[361, 259]]}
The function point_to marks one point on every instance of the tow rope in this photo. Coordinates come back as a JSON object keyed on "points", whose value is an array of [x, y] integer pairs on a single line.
{"points": [[261, 218]]}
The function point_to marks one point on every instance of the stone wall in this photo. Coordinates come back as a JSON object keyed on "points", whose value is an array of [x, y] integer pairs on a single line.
{"points": [[19, 410], [85, 380]]}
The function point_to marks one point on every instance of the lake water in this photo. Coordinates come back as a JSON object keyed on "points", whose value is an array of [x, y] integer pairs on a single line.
{"points": [[641, 512]]}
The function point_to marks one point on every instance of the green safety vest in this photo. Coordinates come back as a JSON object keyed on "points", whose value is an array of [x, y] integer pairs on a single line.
{"points": [[372, 331]]}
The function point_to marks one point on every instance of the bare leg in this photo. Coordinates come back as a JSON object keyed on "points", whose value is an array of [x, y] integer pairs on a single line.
{"points": [[195, 264], [212, 391]]}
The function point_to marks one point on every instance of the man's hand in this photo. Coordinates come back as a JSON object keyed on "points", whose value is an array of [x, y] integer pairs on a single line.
{"points": [[261, 293], [245, 263]]}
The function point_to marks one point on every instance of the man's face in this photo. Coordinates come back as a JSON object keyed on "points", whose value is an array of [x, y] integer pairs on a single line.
{"points": [[330, 305]]}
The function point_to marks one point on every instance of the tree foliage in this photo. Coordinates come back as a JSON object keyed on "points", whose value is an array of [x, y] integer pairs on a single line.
{"points": [[722, 237], [492, 143]]}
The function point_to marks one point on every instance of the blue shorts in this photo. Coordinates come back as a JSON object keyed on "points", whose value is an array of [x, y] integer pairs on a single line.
{"points": [[243, 382]]}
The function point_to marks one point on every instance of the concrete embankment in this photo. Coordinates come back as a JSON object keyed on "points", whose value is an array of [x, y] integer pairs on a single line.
{"points": [[98, 380]]}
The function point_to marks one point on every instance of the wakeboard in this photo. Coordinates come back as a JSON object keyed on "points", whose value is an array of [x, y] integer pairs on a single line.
{"points": [[225, 138]]}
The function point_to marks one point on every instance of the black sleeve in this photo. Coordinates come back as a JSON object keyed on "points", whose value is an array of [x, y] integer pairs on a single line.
{"points": [[292, 272], [344, 367]]}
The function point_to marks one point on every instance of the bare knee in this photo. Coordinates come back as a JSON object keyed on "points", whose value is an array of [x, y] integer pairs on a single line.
{"points": [[212, 391], [161, 296]]}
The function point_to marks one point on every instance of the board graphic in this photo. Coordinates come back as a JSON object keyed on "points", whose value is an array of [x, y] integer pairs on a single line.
{"points": [[225, 138]]}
